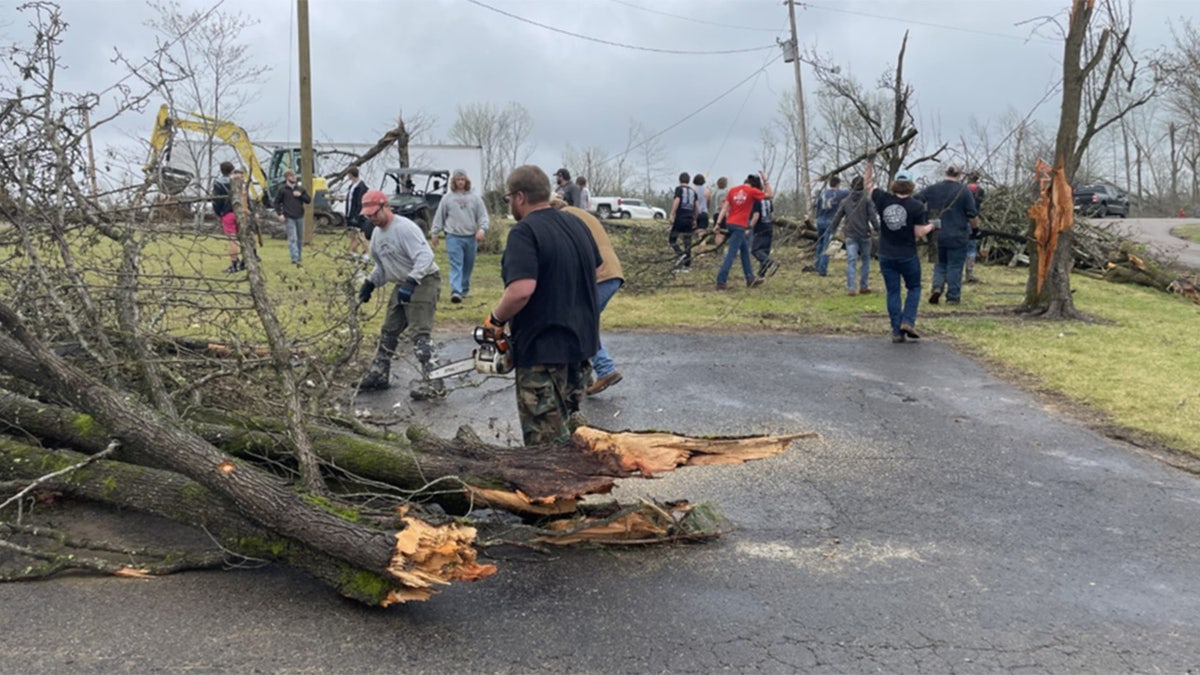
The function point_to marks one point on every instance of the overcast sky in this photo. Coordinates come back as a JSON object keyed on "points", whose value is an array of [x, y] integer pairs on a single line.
{"points": [[372, 58]]}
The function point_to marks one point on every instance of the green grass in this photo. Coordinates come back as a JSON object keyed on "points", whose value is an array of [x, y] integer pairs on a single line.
{"points": [[1137, 363], [1190, 232]]}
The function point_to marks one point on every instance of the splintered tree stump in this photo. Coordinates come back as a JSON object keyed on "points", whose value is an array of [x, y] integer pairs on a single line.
{"points": [[423, 559]]}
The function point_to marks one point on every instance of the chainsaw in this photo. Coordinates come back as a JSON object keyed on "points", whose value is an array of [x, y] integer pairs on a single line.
{"points": [[491, 357]]}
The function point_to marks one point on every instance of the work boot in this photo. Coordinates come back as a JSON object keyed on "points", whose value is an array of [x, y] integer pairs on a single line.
{"points": [[425, 390], [375, 380], [575, 420], [935, 297], [379, 375], [603, 383]]}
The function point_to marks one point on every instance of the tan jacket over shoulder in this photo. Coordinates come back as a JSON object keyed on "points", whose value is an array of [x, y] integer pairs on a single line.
{"points": [[611, 269]]}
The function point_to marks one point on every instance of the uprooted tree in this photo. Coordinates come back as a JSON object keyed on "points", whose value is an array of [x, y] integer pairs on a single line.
{"points": [[132, 375]]}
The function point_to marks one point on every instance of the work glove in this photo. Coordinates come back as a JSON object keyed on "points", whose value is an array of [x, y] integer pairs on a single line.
{"points": [[405, 290], [493, 328], [364, 293]]}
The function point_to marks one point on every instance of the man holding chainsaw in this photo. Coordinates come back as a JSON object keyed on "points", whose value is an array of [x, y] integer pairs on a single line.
{"points": [[403, 257], [549, 270]]}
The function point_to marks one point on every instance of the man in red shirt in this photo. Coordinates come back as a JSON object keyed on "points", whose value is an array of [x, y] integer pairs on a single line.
{"points": [[735, 212]]}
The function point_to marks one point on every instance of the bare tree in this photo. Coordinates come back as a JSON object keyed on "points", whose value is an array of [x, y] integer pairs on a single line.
{"points": [[885, 114], [502, 132], [515, 142], [1096, 58], [590, 162], [216, 70], [1182, 71]]}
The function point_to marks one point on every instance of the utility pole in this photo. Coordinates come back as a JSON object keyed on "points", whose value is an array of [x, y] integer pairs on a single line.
{"points": [[805, 187], [306, 147]]}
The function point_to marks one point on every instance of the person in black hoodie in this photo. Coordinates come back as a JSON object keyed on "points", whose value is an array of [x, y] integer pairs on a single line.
{"points": [[222, 206], [289, 204], [358, 228]]}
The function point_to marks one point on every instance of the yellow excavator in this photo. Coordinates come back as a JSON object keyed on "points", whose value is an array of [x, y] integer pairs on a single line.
{"points": [[262, 185]]}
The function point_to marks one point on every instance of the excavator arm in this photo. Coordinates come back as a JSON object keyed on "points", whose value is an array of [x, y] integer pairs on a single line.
{"points": [[231, 134], [174, 180]]}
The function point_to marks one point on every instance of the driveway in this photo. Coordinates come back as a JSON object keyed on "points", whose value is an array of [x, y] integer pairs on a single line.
{"points": [[1156, 233], [946, 522]]}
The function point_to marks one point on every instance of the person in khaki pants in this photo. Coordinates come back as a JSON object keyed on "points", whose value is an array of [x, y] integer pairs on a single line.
{"points": [[609, 279]]}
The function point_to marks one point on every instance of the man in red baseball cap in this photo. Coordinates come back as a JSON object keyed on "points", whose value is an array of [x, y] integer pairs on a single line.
{"points": [[403, 257]]}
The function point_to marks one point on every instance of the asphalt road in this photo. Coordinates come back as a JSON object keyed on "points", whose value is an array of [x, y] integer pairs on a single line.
{"points": [[1156, 232], [946, 522]]}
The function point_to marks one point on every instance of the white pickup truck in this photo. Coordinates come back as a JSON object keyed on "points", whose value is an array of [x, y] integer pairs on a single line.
{"points": [[621, 207]]}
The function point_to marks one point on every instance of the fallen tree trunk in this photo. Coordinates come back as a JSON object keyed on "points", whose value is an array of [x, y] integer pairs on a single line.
{"points": [[172, 496], [544, 480], [414, 560]]}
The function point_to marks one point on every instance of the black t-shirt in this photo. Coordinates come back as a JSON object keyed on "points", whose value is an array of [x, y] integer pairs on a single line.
{"points": [[685, 213], [766, 213], [561, 322], [897, 218]]}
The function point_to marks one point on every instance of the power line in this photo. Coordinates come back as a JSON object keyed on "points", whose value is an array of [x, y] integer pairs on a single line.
{"points": [[694, 112], [928, 24], [733, 124], [695, 20], [619, 44]]}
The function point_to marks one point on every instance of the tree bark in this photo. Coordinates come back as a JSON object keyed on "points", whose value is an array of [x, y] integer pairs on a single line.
{"points": [[267, 501], [545, 480], [172, 496]]}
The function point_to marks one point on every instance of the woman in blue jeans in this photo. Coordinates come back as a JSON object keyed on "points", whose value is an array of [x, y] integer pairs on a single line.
{"points": [[902, 219]]}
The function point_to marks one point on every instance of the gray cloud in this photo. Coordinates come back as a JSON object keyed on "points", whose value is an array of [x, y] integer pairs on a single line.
{"points": [[372, 58]]}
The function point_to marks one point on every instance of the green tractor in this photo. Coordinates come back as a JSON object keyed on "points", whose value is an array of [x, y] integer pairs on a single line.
{"points": [[416, 193]]}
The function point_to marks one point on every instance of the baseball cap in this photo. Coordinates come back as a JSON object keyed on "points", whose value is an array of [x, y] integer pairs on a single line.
{"points": [[903, 174], [372, 201], [953, 171], [566, 175]]}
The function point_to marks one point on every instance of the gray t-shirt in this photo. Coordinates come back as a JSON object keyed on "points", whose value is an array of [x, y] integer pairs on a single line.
{"points": [[569, 191], [400, 251], [701, 198]]}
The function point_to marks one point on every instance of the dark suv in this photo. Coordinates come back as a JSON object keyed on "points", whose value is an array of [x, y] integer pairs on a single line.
{"points": [[1101, 200]]}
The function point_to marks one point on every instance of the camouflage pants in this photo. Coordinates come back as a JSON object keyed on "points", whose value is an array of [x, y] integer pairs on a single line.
{"points": [[546, 397]]}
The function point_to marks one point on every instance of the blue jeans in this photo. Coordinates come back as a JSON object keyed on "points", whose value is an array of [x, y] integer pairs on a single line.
{"points": [[893, 271], [461, 251], [858, 249], [823, 234], [295, 235], [738, 245], [948, 271], [601, 363]]}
